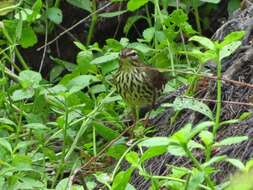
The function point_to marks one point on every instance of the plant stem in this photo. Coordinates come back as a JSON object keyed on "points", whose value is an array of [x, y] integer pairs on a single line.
{"points": [[196, 14], [170, 56], [218, 98], [198, 165], [93, 23]]}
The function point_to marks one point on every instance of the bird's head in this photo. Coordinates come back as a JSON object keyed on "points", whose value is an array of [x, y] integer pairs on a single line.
{"points": [[129, 58]]}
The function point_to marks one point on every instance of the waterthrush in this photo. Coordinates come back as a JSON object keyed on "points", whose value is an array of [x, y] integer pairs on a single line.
{"points": [[138, 84]]}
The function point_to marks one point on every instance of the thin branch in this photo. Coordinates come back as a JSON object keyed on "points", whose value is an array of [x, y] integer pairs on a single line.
{"points": [[75, 25]]}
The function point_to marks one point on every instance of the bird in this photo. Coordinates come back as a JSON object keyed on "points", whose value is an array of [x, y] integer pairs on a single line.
{"points": [[138, 84]]}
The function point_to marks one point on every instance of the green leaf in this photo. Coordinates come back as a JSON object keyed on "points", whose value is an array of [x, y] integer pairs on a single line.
{"points": [[7, 121], [36, 126], [103, 178], [183, 135], [83, 4], [116, 151], [143, 48], [80, 82], [67, 65], [200, 127], [29, 78], [214, 160], [6, 145], [105, 58], [196, 179], [22, 162], [148, 33], [130, 22], [206, 137], [105, 132], [55, 15], [237, 163], [233, 5], [121, 179], [83, 60], [132, 158], [231, 140], [155, 141], [203, 41], [22, 94], [152, 152], [63, 185], [232, 37], [229, 49], [28, 37], [30, 183], [133, 5], [181, 103], [112, 14]]}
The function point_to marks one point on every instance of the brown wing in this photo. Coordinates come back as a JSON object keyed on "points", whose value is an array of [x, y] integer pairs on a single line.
{"points": [[155, 78]]}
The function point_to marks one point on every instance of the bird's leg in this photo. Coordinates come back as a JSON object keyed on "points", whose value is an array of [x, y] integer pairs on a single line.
{"points": [[146, 119]]}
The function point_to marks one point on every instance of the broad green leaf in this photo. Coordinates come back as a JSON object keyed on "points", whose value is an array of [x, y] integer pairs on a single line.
{"points": [[63, 185], [116, 151], [22, 94], [233, 5], [133, 5], [29, 78], [181, 103], [80, 45], [232, 37], [67, 65], [5, 144], [152, 152], [105, 132], [83, 4], [203, 41], [78, 83], [132, 158], [36, 126], [183, 135], [249, 165], [200, 127], [148, 33], [155, 141], [231, 140], [7, 121], [28, 37], [237, 163], [105, 58], [143, 48], [83, 60], [214, 160], [206, 137], [30, 183], [229, 49], [24, 14], [196, 179], [115, 45], [55, 15], [55, 73], [121, 179], [112, 14], [103, 178], [22, 162]]}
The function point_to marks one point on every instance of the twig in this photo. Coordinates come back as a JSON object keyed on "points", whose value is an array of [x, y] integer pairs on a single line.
{"points": [[73, 26]]}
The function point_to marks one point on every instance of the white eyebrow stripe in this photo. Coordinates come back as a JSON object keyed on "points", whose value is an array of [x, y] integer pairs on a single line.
{"points": [[130, 53]]}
